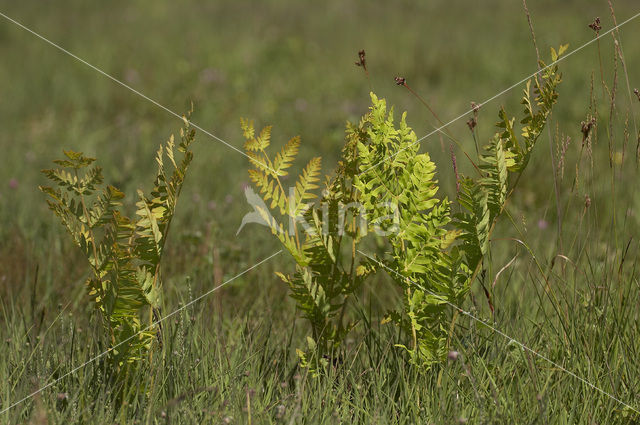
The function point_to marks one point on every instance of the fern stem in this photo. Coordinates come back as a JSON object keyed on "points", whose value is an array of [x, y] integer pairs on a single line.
{"points": [[89, 229]]}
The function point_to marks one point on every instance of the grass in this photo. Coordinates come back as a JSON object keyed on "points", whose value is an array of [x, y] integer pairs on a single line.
{"points": [[570, 294]]}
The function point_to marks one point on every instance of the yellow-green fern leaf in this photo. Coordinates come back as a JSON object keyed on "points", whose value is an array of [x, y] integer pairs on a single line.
{"points": [[305, 184], [286, 156]]}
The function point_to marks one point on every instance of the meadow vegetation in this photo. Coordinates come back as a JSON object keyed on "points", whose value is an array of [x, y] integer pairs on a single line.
{"points": [[552, 264]]}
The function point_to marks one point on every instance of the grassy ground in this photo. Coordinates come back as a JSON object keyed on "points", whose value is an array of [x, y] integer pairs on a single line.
{"points": [[571, 294]]}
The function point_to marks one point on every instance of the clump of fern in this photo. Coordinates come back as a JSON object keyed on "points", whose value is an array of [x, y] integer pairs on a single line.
{"points": [[420, 257], [316, 237], [435, 256], [432, 254], [124, 253]]}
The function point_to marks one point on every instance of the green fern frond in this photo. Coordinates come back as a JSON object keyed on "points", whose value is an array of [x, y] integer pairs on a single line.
{"points": [[75, 160], [475, 223]]}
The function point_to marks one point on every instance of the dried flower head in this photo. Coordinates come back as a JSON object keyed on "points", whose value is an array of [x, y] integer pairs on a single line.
{"points": [[362, 60], [475, 107], [595, 25], [587, 201], [472, 123], [587, 126], [637, 93], [400, 81]]}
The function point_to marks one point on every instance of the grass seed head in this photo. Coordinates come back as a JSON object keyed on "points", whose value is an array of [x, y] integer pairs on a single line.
{"points": [[595, 25], [362, 61]]}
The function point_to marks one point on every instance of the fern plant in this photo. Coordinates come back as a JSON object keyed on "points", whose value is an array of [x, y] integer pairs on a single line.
{"points": [[124, 253], [392, 172], [435, 256], [432, 255], [317, 236], [484, 198]]}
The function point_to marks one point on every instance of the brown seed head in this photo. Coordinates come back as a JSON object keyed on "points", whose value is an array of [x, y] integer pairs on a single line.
{"points": [[472, 123], [595, 25], [400, 81], [362, 61], [587, 201], [586, 127], [637, 93]]}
